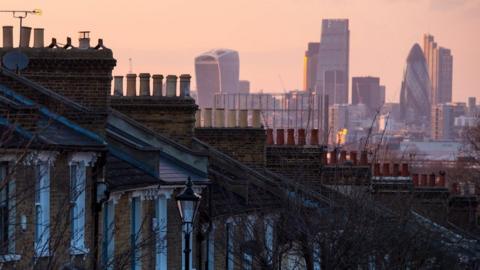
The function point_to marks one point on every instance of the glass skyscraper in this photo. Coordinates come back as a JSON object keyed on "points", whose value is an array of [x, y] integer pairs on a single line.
{"points": [[216, 71], [415, 104]]}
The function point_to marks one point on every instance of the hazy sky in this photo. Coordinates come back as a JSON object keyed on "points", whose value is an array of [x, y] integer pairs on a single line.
{"points": [[271, 35]]}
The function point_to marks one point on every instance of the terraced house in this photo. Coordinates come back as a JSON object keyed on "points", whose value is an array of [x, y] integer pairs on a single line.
{"points": [[89, 180]]}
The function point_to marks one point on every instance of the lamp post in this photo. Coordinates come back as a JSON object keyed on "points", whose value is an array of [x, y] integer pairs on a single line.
{"points": [[187, 203]]}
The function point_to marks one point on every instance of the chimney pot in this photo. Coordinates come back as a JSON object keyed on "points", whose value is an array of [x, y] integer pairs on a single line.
{"points": [[423, 180], [376, 169], [207, 117], [144, 84], [324, 160], [441, 179], [243, 118], [232, 118], [118, 85], [314, 137], [280, 136], [256, 119], [364, 158], [353, 157], [84, 40], [185, 85], [333, 157], [131, 85], [396, 169], [198, 118], [301, 136], [386, 169], [157, 84], [171, 86], [455, 188], [415, 180], [38, 38], [405, 171], [290, 136], [343, 156], [269, 136], [219, 118], [432, 180], [7, 36], [25, 37]]}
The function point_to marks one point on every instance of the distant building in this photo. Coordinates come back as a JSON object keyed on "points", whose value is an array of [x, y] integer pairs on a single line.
{"points": [[442, 122], [338, 120], [472, 106], [310, 66], [440, 69], [368, 91], [415, 92], [216, 71], [333, 61], [243, 87]]}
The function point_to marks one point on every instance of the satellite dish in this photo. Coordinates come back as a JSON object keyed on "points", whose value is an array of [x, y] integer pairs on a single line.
{"points": [[15, 60]]}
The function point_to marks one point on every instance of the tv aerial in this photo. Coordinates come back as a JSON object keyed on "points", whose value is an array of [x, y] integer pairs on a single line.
{"points": [[15, 60]]}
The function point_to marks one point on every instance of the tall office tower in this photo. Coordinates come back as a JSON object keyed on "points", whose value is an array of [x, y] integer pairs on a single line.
{"points": [[337, 122], [216, 71], [415, 92], [310, 63], [442, 121], [368, 91], [472, 106], [333, 61], [243, 87], [440, 69]]}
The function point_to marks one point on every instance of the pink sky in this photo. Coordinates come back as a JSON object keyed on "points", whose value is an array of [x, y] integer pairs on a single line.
{"points": [[270, 35]]}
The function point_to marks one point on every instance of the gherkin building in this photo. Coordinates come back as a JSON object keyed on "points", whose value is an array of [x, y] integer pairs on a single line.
{"points": [[415, 91]]}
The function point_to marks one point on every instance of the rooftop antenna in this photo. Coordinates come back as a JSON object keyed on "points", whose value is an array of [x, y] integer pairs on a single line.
{"points": [[130, 65], [22, 14]]}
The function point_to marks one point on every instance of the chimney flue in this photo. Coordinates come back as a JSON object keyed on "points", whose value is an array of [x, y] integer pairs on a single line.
{"points": [[25, 37], [185, 85], [290, 136], [198, 118], [131, 85], [207, 117], [232, 118], [171, 85], [38, 38], [269, 136], [84, 40], [314, 137], [118, 85], [243, 118], [353, 157], [256, 119], [144, 84], [8, 36], [301, 136], [364, 158], [157, 85], [219, 118], [280, 136]]}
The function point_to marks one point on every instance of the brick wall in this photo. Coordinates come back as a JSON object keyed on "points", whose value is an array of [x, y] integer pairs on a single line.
{"points": [[246, 145], [83, 76], [170, 116]]}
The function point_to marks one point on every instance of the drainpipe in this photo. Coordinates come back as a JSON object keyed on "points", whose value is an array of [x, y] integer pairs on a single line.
{"points": [[97, 173]]}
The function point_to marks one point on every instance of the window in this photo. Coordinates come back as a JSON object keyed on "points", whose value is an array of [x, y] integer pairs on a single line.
{"points": [[269, 231], [160, 230], [7, 212], [42, 209], [77, 210], [108, 235], [135, 233], [211, 248]]}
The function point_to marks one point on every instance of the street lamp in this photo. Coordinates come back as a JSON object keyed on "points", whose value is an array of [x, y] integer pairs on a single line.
{"points": [[187, 203]]}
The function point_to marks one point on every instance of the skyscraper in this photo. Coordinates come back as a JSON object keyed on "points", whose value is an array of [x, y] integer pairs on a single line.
{"points": [[216, 71], [440, 69], [310, 66], [415, 92], [333, 61], [442, 121], [368, 91]]}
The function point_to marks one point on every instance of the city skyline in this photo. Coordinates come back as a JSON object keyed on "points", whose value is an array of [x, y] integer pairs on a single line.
{"points": [[162, 41]]}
